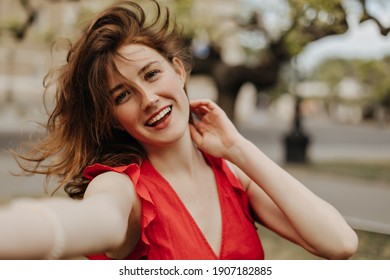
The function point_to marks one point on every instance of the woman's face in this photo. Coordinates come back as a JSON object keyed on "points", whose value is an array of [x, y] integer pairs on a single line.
{"points": [[154, 109]]}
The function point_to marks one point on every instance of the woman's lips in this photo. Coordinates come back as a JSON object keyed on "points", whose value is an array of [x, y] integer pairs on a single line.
{"points": [[159, 117]]}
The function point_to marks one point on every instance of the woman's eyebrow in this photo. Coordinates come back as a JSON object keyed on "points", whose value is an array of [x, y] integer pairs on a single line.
{"points": [[116, 88], [144, 68], [140, 72]]}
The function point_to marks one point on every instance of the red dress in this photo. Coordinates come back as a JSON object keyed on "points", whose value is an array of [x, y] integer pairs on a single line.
{"points": [[168, 230]]}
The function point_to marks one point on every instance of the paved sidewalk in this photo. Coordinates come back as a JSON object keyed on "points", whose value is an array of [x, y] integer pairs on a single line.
{"points": [[372, 246], [365, 204]]}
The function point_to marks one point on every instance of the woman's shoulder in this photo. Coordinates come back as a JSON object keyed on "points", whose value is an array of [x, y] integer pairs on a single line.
{"points": [[103, 177]]}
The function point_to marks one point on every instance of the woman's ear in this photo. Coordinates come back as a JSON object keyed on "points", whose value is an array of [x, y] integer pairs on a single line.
{"points": [[179, 69]]}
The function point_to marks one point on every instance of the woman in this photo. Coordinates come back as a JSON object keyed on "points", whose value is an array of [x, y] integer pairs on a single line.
{"points": [[157, 176]]}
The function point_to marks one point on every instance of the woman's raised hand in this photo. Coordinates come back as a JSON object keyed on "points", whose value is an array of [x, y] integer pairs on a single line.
{"points": [[212, 131]]}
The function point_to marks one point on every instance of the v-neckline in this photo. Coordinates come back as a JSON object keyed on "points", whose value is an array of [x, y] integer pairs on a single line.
{"points": [[216, 255]]}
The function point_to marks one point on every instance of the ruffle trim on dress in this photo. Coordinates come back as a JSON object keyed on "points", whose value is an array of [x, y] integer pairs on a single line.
{"points": [[237, 187], [132, 170], [148, 206]]}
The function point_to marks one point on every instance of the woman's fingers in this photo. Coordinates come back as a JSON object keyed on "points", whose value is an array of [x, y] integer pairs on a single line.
{"points": [[201, 107], [195, 135], [202, 102]]}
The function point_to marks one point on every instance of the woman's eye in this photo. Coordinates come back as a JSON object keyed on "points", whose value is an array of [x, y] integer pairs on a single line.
{"points": [[151, 75], [122, 97]]}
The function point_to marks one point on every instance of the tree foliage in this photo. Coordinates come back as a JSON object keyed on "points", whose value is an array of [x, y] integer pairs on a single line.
{"points": [[308, 20], [271, 33], [372, 74]]}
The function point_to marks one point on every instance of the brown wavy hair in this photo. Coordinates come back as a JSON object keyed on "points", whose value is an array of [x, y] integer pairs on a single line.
{"points": [[80, 129]]}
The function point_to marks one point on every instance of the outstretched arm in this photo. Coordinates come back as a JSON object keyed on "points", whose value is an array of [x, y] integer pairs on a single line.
{"points": [[280, 201], [63, 228]]}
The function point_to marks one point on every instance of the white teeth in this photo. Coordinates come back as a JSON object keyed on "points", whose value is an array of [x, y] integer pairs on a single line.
{"points": [[159, 116]]}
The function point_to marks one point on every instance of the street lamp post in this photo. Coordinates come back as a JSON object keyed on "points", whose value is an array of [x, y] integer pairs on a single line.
{"points": [[296, 142]]}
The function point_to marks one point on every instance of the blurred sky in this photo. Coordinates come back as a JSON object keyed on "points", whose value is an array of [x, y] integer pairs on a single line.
{"points": [[361, 40]]}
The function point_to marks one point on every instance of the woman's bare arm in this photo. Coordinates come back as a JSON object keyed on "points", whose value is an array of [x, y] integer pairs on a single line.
{"points": [[288, 208], [98, 223], [279, 200]]}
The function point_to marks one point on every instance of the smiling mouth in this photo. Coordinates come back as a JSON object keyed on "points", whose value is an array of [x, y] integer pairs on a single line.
{"points": [[160, 117]]}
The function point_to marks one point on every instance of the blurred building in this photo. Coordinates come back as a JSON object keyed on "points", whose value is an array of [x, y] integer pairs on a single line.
{"points": [[26, 59]]}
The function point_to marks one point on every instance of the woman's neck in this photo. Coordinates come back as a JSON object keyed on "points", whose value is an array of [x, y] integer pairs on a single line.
{"points": [[181, 156]]}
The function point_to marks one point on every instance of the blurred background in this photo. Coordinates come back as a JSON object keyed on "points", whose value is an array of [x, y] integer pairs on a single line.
{"points": [[306, 81]]}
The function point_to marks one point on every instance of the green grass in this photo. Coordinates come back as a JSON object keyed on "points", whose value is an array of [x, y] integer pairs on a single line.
{"points": [[370, 170]]}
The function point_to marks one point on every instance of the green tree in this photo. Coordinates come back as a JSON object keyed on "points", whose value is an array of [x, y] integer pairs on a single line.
{"points": [[270, 35], [372, 74], [269, 44]]}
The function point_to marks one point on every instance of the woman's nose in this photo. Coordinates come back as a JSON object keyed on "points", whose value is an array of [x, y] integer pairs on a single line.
{"points": [[149, 99]]}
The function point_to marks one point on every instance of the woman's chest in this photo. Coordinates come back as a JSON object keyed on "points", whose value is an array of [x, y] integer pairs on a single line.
{"points": [[198, 202]]}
